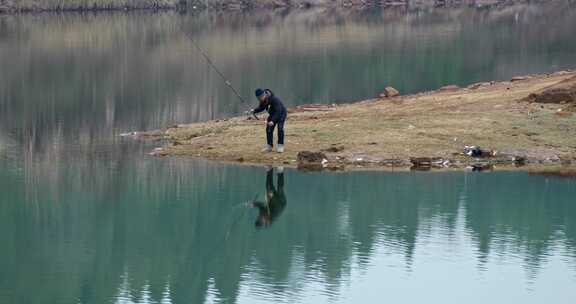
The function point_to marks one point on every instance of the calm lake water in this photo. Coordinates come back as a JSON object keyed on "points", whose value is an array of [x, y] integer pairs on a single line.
{"points": [[88, 217]]}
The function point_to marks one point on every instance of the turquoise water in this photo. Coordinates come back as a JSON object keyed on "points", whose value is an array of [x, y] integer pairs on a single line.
{"points": [[180, 231], [88, 217]]}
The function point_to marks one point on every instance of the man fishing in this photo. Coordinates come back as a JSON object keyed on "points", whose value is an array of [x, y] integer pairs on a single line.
{"points": [[277, 116]]}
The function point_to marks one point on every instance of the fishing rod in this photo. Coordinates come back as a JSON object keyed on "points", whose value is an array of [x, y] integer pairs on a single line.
{"points": [[213, 66]]}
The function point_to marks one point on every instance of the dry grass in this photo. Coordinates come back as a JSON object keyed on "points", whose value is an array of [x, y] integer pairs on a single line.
{"points": [[433, 124], [83, 5]]}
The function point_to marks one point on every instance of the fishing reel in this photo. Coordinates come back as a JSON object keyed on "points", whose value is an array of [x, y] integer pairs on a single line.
{"points": [[251, 115]]}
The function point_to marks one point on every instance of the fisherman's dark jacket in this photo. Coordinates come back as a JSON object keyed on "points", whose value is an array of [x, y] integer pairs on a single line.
{"points": [[275, 107]]}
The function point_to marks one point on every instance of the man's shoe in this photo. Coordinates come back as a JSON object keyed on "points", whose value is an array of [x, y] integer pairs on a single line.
{"points": [[267, 149], [280, 149]]}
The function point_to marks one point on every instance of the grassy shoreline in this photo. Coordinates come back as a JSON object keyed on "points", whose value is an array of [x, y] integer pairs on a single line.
{"points": [[425, 130]]}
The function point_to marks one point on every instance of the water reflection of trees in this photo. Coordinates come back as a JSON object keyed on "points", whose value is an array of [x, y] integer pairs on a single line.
{"points": [[165, 225], [83, 78], [80, 218]]}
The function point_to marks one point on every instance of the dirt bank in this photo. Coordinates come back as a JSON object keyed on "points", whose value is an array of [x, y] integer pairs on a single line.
{"points": [[424, 130]]}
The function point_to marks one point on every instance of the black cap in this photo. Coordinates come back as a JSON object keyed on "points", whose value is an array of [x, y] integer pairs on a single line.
{"points": [[259, 92]]}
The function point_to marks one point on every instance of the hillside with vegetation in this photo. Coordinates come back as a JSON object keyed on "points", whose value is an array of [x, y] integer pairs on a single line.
{"points": [[20, 6]]}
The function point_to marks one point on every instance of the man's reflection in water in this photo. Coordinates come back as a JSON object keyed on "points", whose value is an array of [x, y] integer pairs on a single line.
{"points": [[275, 200]]}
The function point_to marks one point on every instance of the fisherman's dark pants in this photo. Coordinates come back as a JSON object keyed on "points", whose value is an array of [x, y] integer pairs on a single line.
{"points": [[270, 183], [270, 131]]}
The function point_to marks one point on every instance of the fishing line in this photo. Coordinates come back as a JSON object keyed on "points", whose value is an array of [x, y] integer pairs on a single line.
{"points": [[211, 64]]}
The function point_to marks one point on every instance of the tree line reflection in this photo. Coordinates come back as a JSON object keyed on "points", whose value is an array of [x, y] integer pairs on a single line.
{"points": [[82, 79], [186, 227]]}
